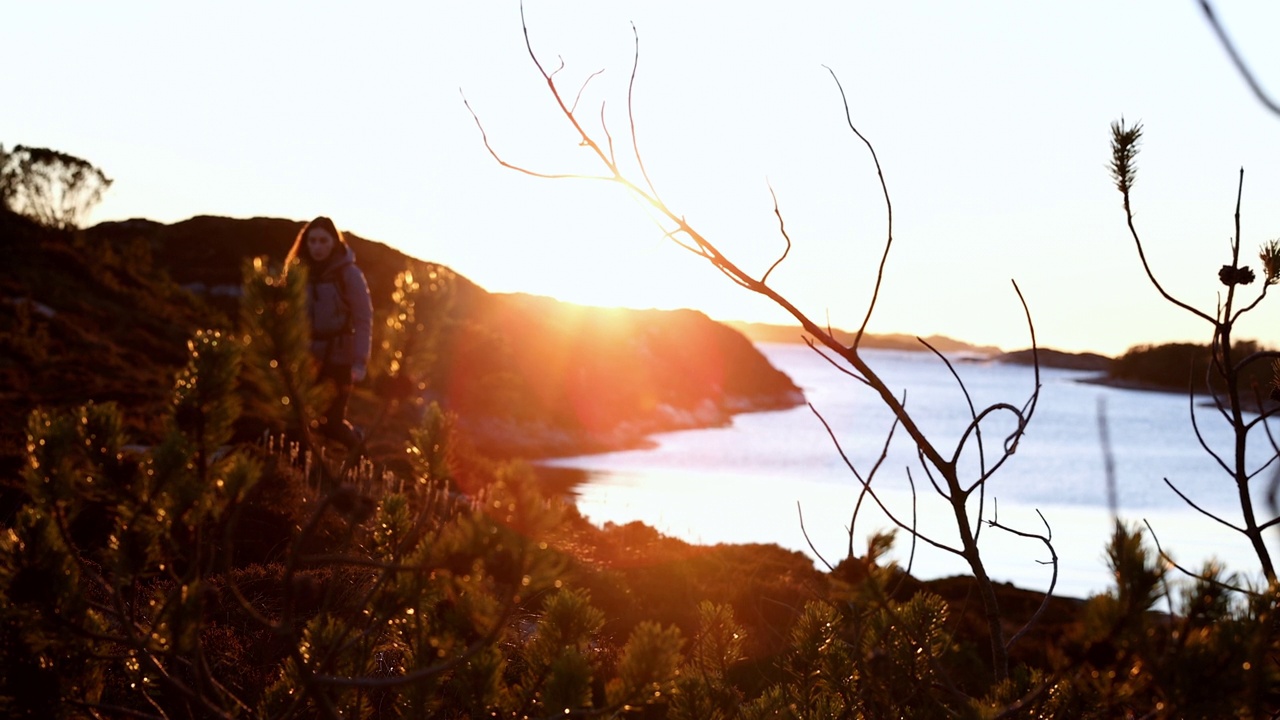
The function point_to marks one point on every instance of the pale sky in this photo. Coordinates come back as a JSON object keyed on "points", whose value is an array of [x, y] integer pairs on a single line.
{"points": [[990, 120]]}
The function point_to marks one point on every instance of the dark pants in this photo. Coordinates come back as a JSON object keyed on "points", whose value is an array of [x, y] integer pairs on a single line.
{"points": [[334, 422]]}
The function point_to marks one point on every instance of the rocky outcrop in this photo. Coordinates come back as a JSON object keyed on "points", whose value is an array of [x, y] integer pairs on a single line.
{"points": [[525, 375], [589, 379]]}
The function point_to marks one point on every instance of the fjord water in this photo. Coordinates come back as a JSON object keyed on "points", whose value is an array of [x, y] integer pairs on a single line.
{"points": [[753, 481]]}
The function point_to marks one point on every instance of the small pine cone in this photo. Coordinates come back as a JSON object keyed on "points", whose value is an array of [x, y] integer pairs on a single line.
{"points": [[1230, 275]]}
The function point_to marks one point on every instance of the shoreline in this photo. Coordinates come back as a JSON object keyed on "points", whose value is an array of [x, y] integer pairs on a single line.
{"points": [[541, 441], [1201, 398]]}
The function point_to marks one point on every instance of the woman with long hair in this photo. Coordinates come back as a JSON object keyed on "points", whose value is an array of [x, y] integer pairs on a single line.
{"points": [[341, 314]]}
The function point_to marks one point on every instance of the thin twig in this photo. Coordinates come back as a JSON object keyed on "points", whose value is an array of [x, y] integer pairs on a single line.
{"points": [[803, 531], [813, 346], [1204, 512], [888, 204], [876, 498], [1236, 59], [782, 228], [1053, 581], [631, 115], [1142, 255], [1204, 578], [915, 522], [973, 413], [862, 493], [584, 88], [1195, 426]]}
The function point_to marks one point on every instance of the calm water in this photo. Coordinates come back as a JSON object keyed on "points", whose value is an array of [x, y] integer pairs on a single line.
{"points": [[750, 482]]}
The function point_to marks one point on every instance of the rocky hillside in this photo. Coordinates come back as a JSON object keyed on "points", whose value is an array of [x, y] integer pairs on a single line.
{"points": [[80, 320], [104, 314]]}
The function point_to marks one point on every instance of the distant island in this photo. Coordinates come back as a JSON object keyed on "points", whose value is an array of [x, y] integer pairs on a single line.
{"points": [[1058, 359], [765, 332], [1166, 367]]}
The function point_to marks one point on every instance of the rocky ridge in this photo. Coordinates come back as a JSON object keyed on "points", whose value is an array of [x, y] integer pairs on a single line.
{"points": [[525, 375]]}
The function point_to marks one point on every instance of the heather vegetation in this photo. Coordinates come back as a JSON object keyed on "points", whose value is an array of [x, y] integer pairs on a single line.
{"points": [[201, 576]]}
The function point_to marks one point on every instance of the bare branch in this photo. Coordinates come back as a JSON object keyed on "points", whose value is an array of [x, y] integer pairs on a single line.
{"points": [[411, 677], [1010, 445], [1033, 400], [915, 521], [944, 494], [862, 493], [673, 236], [834, 364], [876, 498], [973, 413], [1262, 419], [1203, 578], [583, 89], [631, 116], [501, 161], [1225, 322], [1253, 304], [930, 457], [1047, 539], [1191, 398], [1255, 357], [1124, 145], [1204, 512], [1215, 363], [1236, 59], [608, 136], [115, 710], [1262, 468], [805, 532], [1024, 414], [782, 228], [884, 257]]}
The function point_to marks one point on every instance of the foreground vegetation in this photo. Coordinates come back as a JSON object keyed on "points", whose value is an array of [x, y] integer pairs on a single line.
{"points": [[172, 564], [195, 579]]}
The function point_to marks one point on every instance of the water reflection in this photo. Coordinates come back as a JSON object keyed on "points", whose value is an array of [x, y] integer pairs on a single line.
{"points": [[749, 482]]}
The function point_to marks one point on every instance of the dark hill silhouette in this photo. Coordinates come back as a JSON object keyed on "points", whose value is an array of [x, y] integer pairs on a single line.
{"points": [[526, 375], [80, 320]]}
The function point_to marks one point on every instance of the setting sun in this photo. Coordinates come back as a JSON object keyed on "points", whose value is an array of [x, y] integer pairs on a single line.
{"points": [[716, 130]]}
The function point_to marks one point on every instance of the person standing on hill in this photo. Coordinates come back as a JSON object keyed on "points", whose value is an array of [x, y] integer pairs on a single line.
{"points": [[341, 314]]}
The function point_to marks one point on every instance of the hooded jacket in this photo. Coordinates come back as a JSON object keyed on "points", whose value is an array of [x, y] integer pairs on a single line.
{"points": [[340, 310]]}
